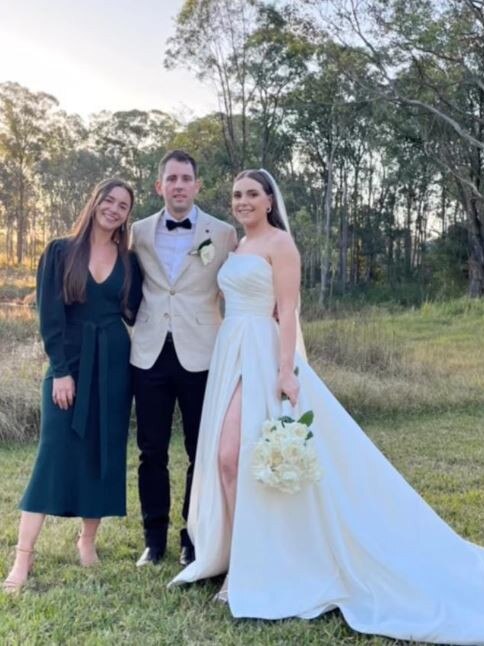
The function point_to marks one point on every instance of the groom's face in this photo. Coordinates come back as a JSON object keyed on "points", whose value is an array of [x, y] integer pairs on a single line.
{"points": [[178, 186]]}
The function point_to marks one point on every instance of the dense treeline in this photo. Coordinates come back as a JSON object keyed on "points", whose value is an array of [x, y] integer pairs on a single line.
{"points": [[369, 112]]}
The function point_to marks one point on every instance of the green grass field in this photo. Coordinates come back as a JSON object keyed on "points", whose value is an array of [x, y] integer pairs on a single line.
{"points": [[415, 381]]}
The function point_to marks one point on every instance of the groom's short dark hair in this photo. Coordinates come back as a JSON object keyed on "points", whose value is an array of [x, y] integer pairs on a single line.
{"points": [[179, 156]]}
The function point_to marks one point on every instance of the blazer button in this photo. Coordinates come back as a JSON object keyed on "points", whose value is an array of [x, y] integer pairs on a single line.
{"points": [[166, 315], [172, 292]]}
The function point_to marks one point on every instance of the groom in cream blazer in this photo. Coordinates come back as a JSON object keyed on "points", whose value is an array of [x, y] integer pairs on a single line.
{"points": [[180, 250]]}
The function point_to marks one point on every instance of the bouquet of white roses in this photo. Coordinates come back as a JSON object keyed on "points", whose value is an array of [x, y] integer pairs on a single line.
{"points": [[284, 457]]}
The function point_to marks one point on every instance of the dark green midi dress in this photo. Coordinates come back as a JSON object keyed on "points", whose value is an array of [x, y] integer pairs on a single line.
{"points": [[81, 463]]}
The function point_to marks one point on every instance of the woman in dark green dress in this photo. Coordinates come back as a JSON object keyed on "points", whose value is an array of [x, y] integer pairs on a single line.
{"points": [[88, 286]]}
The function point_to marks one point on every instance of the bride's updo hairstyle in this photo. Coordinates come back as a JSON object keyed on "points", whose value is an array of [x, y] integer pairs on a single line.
{"points": [[273, 216]]}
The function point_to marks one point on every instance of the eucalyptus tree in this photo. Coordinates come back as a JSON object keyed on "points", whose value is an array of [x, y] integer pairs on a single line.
{"points": [[130, 144], [252, 53], [66, 173], [439, 45], [8, 195], [211, 39], [323, 113], [203, 137], [279, 53], [25, 122], [66, 179]]}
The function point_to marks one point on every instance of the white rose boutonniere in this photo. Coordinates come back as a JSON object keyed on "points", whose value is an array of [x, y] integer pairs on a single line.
{"points": [[205, 250]]}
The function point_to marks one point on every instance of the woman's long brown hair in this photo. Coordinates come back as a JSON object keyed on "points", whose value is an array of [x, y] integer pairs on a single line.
{"points": [[77, 258]]}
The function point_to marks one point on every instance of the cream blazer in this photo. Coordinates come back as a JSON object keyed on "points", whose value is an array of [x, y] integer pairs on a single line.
{"points": [[191, 304]]}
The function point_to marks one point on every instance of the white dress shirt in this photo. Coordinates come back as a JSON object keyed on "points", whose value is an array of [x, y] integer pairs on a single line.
{"points": [[173, 246]]}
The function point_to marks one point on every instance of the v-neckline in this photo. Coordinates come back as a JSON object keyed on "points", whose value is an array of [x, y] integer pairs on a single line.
{"points": [[108, 276]]}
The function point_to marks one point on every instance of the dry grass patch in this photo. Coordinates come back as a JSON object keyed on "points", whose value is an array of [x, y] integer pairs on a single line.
{"points": [[20, 392], [16, 283], [368, 396], [18, 323], [425, 360], [22, 363], [376, 363]]}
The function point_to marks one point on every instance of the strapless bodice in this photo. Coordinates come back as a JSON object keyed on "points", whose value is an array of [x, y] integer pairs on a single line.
{"points": [[246, 282]]}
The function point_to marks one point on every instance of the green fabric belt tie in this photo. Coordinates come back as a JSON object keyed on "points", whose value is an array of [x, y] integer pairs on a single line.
{"points": [[94, 335]]}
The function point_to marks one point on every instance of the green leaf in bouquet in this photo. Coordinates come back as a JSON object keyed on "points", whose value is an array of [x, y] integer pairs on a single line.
{"points": [[309, 436], [307, 418]]}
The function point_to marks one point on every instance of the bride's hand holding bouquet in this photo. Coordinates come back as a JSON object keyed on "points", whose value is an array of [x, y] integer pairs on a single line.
{"points": [[288, 385]]}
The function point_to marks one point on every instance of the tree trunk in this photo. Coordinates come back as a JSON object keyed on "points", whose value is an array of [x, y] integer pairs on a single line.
{"points": [[408, 234], [443, 206], [355, 246], [327, 228], [21, 221], [476, 256], [343, 250], [474, 211]]}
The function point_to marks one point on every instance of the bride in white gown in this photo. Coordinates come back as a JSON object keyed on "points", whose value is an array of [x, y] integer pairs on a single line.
{"points": [[361, 540]]}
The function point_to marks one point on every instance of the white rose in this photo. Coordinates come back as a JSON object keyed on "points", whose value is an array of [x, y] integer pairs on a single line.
{"points": [[207, 254], [265, 475], [290, 482], [292, 453], [313, 469], [262, 455], [299, 430], [268, 427]]}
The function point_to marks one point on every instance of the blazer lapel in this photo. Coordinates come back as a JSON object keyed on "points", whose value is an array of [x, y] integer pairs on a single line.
{"points": [[203, 231], [152, 241]]}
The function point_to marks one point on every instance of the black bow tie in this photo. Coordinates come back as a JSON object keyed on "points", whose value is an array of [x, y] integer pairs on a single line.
{"points": [[174, 224]]}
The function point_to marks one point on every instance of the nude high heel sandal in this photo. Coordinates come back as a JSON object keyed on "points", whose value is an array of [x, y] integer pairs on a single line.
{"points": [[13, 584], [88, 557]]}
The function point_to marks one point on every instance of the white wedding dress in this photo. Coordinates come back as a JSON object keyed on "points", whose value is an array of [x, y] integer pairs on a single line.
{"points": [[361, 540]]}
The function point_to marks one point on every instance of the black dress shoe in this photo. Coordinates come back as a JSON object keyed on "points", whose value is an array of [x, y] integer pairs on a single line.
{"points": [[149, 557], [187, 555]]}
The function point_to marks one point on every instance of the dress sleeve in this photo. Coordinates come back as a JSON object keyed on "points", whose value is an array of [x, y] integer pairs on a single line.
{"points": [[51, 307], [135, 291]]}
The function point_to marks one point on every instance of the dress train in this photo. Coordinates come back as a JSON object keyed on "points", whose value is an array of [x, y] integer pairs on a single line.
{"points": [[361, 540]]}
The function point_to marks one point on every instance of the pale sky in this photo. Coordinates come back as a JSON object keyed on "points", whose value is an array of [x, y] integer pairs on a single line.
{"points": [[94, 55]]}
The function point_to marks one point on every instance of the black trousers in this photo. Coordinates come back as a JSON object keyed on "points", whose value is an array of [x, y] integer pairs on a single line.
{"points": [[156, 392]]}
